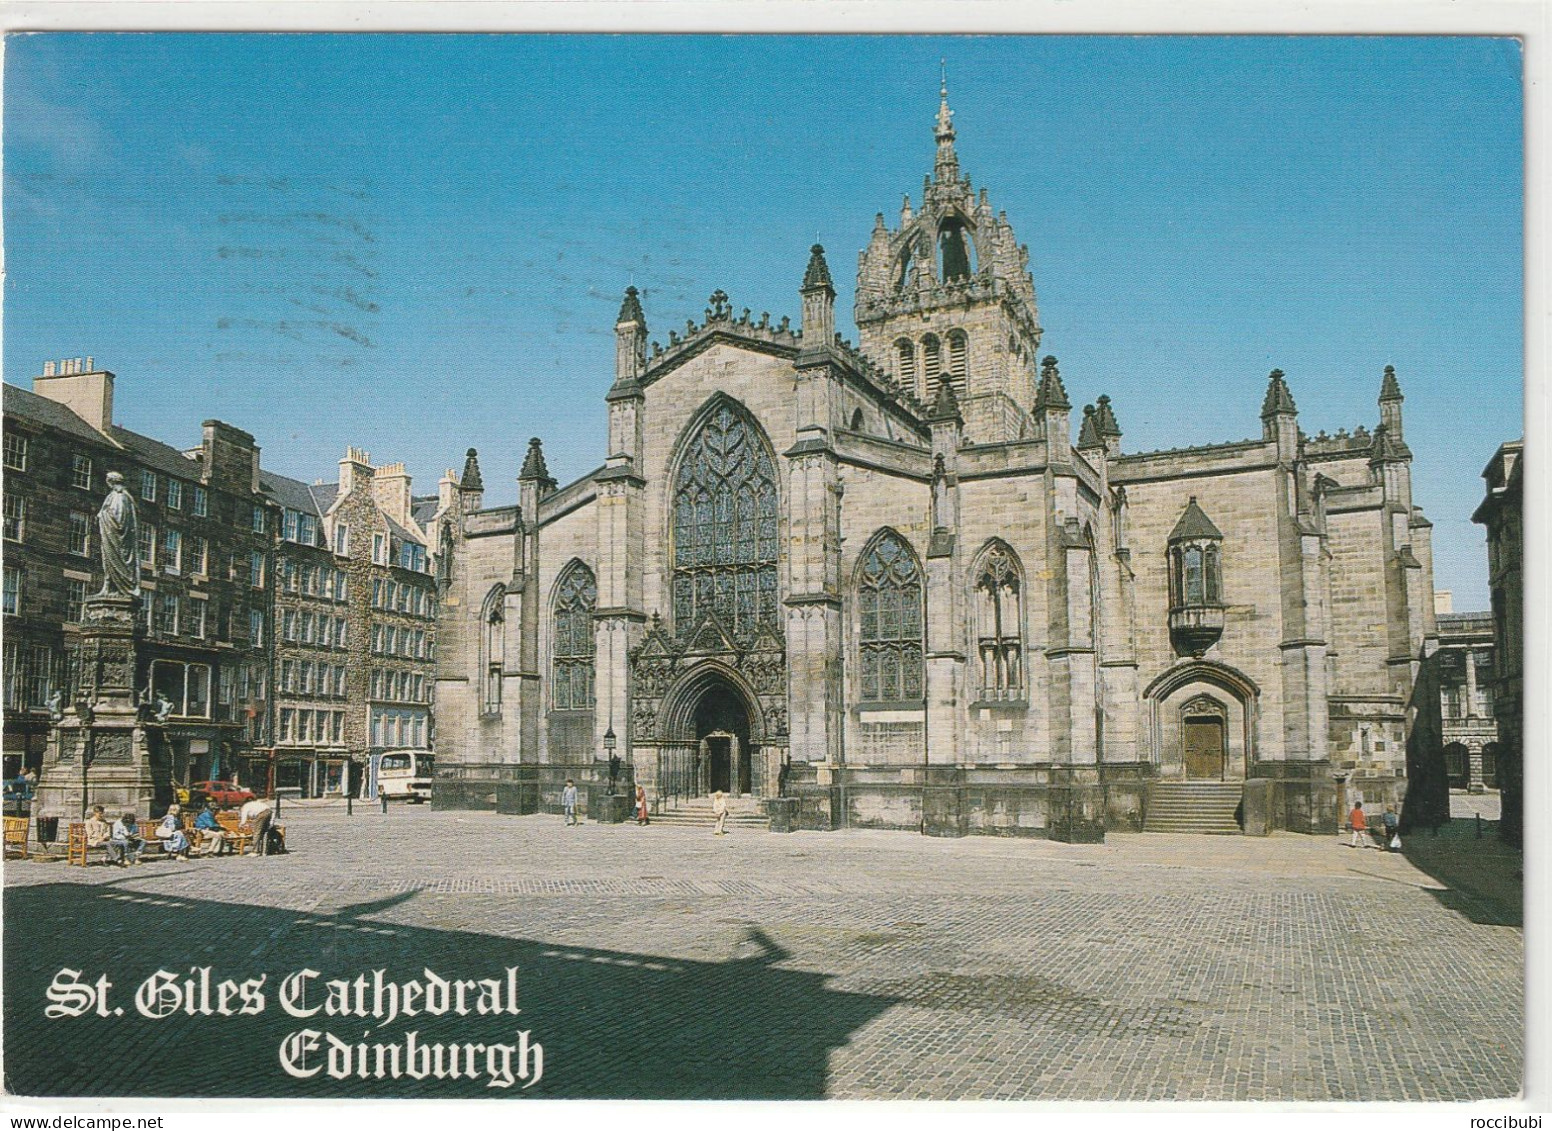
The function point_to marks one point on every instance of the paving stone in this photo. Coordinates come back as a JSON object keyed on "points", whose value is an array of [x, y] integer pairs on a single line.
{"points": [[662, 962]]}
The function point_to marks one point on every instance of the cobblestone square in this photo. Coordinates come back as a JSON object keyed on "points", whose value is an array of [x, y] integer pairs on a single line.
{"points": [[664, 962]]}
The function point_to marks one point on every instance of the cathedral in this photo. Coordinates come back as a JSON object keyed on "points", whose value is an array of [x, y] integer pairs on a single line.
{"points": [[903, 584]]}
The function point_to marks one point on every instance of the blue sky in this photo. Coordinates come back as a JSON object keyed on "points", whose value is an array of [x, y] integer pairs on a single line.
{"points": [[418, 244]]}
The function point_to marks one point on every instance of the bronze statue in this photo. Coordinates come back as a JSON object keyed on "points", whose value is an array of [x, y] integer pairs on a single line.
{"points": [[120, 531]]}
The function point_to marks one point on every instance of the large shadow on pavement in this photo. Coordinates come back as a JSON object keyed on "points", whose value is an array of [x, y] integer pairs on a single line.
{"points": [[611, 1024], [1482, 877]]}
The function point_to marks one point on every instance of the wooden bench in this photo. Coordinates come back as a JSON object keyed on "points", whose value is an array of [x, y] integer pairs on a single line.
{"points": [[16, 831], [241, 835], [77, 851]]}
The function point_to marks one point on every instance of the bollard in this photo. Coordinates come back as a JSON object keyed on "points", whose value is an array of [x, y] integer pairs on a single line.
{"points": [[383, 797], [349, 809], [1479, 826]]}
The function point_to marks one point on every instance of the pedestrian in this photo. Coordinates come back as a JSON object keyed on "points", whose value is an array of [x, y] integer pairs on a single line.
{"points": [[258, 813], [1360, 826], [175, 842], [1392, 829], [641, 805], [124, 843], [719, 811], [568, 801]]}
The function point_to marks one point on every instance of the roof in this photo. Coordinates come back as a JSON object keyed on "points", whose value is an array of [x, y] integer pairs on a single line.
{"points": [[50, 414], [290, 493], [324, 495], [399, 532], [154, 453], [423, 508], [1194, 523]]}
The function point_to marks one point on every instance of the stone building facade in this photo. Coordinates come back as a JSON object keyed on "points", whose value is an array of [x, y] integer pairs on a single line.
{"points": [[1503, 514], [355, 624], [887, 581], [1468, 721], [204, 536]]}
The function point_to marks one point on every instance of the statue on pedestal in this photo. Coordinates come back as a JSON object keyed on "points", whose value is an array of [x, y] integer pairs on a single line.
{"points": [[120, 531]]}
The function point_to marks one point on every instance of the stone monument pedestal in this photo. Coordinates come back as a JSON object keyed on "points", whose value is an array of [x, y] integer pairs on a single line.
{"points": [[101, 753]]}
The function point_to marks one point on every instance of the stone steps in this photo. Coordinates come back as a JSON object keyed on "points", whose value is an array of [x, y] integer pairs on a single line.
{"points": [[743, 812], [1194, 807]]}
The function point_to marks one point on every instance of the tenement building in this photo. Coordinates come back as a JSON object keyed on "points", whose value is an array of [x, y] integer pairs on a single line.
{"points": [[355, 615], [889, 581], [1503, 513], [204, 554]]}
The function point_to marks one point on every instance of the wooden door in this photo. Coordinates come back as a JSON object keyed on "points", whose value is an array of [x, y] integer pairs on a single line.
{"points": [[1204, 748]]}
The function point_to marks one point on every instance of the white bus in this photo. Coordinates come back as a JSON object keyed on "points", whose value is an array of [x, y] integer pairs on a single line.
{"points": [[404, 774]]}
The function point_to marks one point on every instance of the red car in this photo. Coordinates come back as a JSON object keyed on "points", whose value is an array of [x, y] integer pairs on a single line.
{"points": [[223, 793]]}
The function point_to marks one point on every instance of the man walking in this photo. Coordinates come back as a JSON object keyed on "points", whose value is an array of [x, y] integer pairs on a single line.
{"points": [[568, 801]]}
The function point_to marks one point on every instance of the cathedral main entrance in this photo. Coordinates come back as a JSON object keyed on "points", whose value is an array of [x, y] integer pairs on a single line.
{"points": [[724, 755]]}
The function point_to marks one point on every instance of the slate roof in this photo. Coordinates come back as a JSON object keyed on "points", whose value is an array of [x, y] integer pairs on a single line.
{"points": [[290, 493], [1194, 524], [154, 453], [50, 414]]}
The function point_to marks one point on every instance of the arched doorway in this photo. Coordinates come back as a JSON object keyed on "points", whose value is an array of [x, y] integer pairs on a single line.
{"points": [[1204, 738], [722, 734], [711, 733]]}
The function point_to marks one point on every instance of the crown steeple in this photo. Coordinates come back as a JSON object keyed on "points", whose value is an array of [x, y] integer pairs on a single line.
{"points": [[949, 292]]}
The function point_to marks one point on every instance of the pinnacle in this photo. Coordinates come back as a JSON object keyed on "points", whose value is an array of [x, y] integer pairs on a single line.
{"points": [[1278, 399], [818, 273], [1052, 394], [630, 309], [1107, 420], [1390, 388], [471, 480], [1088, 435], [945, 406], [533, 465]]}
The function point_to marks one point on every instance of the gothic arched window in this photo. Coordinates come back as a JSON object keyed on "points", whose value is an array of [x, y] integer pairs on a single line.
{"points": [[955, 245], [725, 526], [999, 620], [571, 649], [492, 650], [889, 598]]}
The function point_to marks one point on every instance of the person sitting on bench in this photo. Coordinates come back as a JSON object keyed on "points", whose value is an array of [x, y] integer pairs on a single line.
{"points": [[124, 843], [97, 829], [212, 840], [175, 842]]}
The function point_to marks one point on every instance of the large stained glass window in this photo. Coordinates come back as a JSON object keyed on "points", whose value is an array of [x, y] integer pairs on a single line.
{"points": [[576, 595], [725, 527], [889, 596]]}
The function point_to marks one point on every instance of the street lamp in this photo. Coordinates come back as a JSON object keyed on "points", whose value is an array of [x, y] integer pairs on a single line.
{"points": [[614, 762]]}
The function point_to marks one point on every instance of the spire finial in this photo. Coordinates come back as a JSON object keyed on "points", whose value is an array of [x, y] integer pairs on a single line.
{"points": [[943, 90], [946, 168]]}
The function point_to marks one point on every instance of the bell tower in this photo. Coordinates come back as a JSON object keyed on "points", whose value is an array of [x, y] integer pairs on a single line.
{"points": [[947, 298]]}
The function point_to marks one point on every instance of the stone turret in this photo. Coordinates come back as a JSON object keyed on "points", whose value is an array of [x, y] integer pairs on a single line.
{"points": [[1053, 412], [1088, 434], [1390, 405], [1280, 418], [630, 340], [1109, 428], [818, 302]]}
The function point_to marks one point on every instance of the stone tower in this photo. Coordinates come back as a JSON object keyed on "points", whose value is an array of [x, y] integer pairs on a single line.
{"points": [[947, 296]]}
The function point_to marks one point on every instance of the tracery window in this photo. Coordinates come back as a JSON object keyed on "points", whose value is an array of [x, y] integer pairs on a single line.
{"points": [[889, 597], [492, 650], [576, 595], [999, 624], [725, 527]]}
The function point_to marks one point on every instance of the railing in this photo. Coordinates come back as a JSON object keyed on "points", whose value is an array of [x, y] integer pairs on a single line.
{"points": [[677, 774]]}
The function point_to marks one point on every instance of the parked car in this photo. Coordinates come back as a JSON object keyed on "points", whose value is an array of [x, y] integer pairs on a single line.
{"points": [[224, 793]]}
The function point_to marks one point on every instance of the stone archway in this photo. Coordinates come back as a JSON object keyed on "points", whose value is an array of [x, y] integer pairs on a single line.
{"points": [[711, 720]]}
